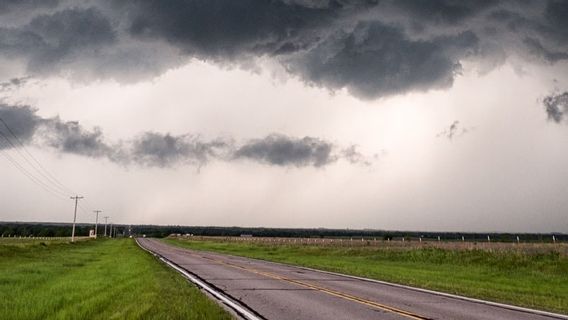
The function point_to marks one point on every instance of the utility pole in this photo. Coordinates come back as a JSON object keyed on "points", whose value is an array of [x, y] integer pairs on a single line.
{"points": [[76, 198], [111, 229], [106, 222], [97, 221]]}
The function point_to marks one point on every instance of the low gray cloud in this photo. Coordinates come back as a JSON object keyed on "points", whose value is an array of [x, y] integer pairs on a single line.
{"points": [[372, 48], [13, 83], [556, 106], [68, 137], [282, 150], [22, 121], [453, 131], [156, 149], [153, 149], [354, 156], [71, 137]]}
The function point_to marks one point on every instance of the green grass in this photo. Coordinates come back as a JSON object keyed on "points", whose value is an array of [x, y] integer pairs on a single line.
{"points": [[94, 279], [527, 279]]}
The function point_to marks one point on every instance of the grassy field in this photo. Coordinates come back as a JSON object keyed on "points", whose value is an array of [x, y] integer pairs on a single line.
{"points": [[30, 242], [94, 279], [532, 276]]}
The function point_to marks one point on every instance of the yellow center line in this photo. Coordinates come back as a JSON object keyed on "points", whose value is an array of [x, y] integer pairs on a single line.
{"points": [[325, 290]]}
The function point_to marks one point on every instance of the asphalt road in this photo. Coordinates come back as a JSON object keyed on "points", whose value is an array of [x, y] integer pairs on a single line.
{"points": [[276, 291]]}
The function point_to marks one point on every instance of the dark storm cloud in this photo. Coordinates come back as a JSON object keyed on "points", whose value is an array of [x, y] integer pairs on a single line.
{"points": [[224, 29], [371, 48], [375, 59], [282, 150], [556, 14], [538, 49], [556, 107], [450, 12], [541, 27], [50, 41], [322, 43], [10, 6], [153, 149]]}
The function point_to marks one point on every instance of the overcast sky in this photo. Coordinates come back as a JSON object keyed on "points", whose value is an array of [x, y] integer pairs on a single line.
{"points": [[407, 115]]}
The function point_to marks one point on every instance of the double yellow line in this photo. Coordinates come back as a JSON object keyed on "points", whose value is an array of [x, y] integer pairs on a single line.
{"points": [[335, 293]]}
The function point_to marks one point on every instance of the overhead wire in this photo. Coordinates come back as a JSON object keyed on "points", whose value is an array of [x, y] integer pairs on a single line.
{"points": [[42, 177], [30, 176], [27, 155], [49, 183]]}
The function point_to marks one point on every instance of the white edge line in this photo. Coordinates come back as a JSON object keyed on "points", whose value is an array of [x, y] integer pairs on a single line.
{"points": [[438, 293], [238, 308], [447, 295]]}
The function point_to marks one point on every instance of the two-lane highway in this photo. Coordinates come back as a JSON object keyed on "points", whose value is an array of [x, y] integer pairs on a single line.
{"points": [[276, 291]]}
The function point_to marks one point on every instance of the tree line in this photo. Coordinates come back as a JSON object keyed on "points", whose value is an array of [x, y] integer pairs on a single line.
{"points": [[26, 229]]}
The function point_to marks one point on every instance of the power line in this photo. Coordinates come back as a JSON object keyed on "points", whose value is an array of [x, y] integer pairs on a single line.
{"points": [[54, 187], [49, 180], [89, 204], [25, 171], [40, 169], [49, 183], [85, 211], [30, 176]]}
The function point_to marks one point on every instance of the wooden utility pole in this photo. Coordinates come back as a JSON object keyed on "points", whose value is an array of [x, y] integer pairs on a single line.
{"points": [[106, 222], [76, 198], [97, 221]]}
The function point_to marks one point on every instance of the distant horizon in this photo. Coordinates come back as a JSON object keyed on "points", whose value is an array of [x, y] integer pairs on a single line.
{"points": [[288, 228]]}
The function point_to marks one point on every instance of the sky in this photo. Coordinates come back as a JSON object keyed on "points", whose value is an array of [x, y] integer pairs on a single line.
{"points": [[397, 115]]}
